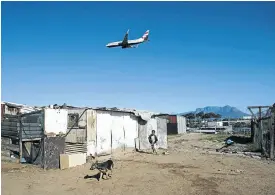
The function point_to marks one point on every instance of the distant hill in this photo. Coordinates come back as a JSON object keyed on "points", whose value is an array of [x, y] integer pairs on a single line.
{"points": [[225, 111]]}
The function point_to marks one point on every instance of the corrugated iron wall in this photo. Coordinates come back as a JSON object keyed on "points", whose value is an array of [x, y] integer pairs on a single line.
{"points": [[172, 119], [115, 130], [162, 132], [75, 148], [176, 125], [145, 129], [10, 126], [172, 127], [32, 125]]}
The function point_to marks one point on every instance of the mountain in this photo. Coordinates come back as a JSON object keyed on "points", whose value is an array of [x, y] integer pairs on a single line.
{"points": [[225, 111]]}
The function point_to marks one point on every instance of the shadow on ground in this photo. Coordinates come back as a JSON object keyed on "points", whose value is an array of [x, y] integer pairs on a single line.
{"points": [[96, 176], [143, 152]]}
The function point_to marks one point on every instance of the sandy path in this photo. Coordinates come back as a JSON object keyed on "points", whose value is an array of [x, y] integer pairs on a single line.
{"points": [[188, 169]]}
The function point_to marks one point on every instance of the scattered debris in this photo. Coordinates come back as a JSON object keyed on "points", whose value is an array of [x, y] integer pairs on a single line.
{"points": [[256, 157], [239, 171], [252, 153]]}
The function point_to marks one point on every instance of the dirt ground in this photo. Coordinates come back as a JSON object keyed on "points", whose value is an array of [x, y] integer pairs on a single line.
{"points": [[191, 167]]}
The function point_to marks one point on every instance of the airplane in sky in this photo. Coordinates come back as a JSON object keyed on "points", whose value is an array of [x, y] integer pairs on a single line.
{"points": [[129, 43]]}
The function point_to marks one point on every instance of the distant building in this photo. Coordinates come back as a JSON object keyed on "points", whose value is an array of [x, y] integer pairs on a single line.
{"points": [[15, 109], [247, 117], [176, 124]]}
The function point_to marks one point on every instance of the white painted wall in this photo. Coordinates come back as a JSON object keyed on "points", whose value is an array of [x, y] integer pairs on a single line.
{"points": [[131, 130], [55, 121], [181, 120], [162, 133], [115, 130], [91, 132], [103, 130]]}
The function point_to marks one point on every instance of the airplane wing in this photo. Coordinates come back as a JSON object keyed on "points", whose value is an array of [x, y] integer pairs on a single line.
{"points": [[125, 40]]}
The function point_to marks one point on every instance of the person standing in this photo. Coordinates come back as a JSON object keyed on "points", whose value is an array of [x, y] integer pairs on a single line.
{"points": [[153, 139]]}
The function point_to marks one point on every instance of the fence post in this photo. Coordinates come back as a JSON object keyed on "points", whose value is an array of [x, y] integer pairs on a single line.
{"points": [[20, 139], [252, 127], [272, 127], [261, 129]]}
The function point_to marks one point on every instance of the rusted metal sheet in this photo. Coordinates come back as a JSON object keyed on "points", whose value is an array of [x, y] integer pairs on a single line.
{"points": [[172, 119]]}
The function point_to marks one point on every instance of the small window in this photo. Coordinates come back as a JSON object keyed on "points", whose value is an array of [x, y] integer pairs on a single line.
{"points": [[73, 120]]}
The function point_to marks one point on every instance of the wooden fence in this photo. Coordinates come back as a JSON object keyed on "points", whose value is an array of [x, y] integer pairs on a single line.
{"points": [[263, 128]]}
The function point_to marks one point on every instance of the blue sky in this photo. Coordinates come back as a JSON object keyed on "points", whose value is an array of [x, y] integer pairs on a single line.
{"points": [[200, 54]]}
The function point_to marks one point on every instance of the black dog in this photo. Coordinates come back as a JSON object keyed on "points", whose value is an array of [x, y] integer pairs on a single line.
{"points": [[104, 168]]}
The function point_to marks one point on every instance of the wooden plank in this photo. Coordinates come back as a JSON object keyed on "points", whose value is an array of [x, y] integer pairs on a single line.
{"points": [[272, 129], [31, 139], [251, 112], [261, 128], [257, 137], [20, 143], [31, 125]]}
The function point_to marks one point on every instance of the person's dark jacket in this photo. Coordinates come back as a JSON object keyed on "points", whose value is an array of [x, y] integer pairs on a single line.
{"points": [[151, 140]]}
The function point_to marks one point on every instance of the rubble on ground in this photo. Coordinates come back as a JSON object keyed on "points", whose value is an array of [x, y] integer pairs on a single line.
{"points": [[240, 149]]}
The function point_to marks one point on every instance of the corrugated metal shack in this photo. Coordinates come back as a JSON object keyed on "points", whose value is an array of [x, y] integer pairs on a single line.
{"points": [[176, 124], [40, 137], [19, 124], [102, 131], [157, 122], [99, 131], [27, 136]]}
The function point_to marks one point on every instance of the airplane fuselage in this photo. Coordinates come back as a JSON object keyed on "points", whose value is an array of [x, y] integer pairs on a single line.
{"points": [[125, 43], [120, 43]]}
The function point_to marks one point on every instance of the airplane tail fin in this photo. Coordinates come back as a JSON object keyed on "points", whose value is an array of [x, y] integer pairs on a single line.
{"points": [[145, 35]]}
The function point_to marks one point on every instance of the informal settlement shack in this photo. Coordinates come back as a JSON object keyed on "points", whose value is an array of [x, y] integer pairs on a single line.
{"points": [[77, 133]]}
